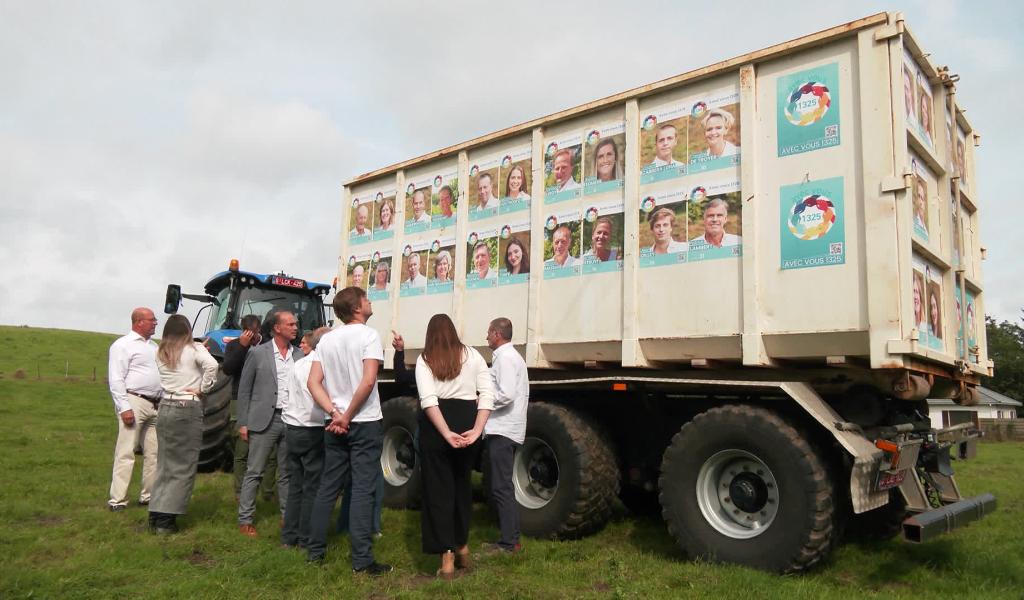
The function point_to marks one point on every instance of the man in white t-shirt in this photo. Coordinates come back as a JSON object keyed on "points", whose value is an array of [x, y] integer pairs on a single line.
{"points": [[419, 207], [561, 240], [343, 382], [665, 142], [485, 192], [415, 279]]}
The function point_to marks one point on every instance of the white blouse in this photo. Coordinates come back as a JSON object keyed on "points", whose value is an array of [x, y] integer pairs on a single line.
{"points": [[475, 378], [196, 370]]}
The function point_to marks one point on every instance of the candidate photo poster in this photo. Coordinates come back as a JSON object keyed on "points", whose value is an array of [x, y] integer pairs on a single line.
{"points": [[441, 266], [484, 189], [910, 93], [714, 222], [917, 101], [358, 273], [385, 213], [663, 142], [663, 228], [807, 110], [563, 169], [379, 276], [361, 220], [482, 250], [515, 178], [934, 306], [919, 291], [604, 158], [414, 266], [444, 199], [417, 206], [514, 253], [602, 237], [713, 138], [925, 106], [959, 311], [961, 158], [971, 326], [954, 231], [919, 194], [812, 224], [562, 245]]}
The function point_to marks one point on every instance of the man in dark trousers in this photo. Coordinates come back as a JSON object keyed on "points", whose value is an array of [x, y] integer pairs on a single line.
{"points": [[262, 395]]}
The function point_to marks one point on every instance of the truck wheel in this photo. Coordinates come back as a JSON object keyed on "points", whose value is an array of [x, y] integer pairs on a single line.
{"points": [[398, 459], [565, 476], [741, 485], [216, 421]]}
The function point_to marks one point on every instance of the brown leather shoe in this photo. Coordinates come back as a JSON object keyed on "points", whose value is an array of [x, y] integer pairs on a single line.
{"points": [[247, 530]]}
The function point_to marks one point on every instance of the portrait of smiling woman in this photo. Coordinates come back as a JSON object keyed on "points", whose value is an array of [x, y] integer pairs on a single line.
{"points": [[517, 259], [606, 160]]}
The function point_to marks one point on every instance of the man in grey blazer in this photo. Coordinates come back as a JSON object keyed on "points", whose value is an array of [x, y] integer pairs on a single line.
{"points": [[262, 394]]}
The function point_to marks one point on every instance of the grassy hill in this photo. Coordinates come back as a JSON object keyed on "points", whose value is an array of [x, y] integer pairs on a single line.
{"points": [[47, 352]]}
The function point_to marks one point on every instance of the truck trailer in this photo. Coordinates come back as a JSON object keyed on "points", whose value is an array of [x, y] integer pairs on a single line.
{"points": [[734, 289]]}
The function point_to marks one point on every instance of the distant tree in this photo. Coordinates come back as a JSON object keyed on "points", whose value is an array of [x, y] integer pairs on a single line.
{"points": [[1006, 348]]}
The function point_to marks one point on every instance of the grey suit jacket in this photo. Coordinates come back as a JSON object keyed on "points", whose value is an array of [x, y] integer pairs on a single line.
{"points": [[257, 388]]}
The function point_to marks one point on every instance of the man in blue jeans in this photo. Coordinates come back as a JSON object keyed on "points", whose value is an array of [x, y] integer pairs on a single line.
{"points": [[343, 381]]}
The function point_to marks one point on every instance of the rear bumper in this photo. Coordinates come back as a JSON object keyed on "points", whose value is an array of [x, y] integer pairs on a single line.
{"points": [[933, 523]]}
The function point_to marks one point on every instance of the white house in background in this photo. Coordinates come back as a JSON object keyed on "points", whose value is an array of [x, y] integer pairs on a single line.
{"points": [[991, 405]]}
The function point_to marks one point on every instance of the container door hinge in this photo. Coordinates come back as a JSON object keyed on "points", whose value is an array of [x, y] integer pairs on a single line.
{"points": [[895, 184]]}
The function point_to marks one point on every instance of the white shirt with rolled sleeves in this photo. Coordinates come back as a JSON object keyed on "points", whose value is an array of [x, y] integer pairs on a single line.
{"points": [[473, 383], [301, 410], [132, 366], [341, 353], [511, 394], [283, 366]]}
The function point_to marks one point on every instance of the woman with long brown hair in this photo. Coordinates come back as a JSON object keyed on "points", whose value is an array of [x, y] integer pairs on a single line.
{"points": [[457, 396], [187, 372]]}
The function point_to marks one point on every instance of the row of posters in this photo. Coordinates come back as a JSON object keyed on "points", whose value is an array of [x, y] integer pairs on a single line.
{"points": [[928, 314], [918, 102]]}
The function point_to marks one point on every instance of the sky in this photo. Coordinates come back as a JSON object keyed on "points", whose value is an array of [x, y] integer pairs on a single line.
{"points": [[143, 144]]}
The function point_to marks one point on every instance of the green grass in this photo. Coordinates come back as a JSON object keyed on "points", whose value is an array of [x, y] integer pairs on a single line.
{"points": [[58, 540]]}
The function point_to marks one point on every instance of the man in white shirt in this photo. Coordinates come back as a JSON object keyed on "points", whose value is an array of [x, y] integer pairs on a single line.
{"points": [[262, 395], [412, 267], [485, 192], [562, 168], [343, 382], [362, 219], [482, 261], [601, 241], [505, 430], [560, 242], [135, 387], [665, 142], [304, 438], [419, 207], [716, 213]]}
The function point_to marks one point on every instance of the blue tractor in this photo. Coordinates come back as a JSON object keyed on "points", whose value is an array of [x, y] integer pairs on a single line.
{"points": [[229, 296]]}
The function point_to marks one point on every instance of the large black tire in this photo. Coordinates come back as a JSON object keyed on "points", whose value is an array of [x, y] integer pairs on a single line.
{"points": [[741, 485], [565, 476], [217, 448], [399, 461]]}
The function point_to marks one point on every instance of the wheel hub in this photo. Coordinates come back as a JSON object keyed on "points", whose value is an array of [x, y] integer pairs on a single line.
{"points": [[535, 473], [398, 456], [748, 492], [737, 494]]}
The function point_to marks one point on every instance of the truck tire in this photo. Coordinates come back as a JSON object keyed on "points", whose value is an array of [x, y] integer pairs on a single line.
{"points": [[216, 448], [398, 459], [565, 476], [741, 485]]}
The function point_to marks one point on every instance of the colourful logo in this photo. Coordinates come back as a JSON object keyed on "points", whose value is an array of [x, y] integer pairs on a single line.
{"points": [[593, 136], [410, 190], [698, 193], [351, 261], [591, 214], [435, 246], [808, 104], [379, 197], [649, 122], [698, 110], [506, 162], [473, 239], [551, 223], [812, 217], [437, 181], [552, 148], [506, 231], [647, 204], [474, 170], [407, 250]]}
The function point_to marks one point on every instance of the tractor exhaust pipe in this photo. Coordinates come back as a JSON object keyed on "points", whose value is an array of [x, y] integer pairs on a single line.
{"points": [[929, 525]]}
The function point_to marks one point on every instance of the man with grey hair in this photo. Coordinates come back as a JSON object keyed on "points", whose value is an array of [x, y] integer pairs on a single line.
{"points": [[716, 214], [505, 429]]}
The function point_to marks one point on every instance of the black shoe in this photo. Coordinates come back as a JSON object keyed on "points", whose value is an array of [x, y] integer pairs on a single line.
{"points": [[317, 560], [116, 507], [374, 569]]}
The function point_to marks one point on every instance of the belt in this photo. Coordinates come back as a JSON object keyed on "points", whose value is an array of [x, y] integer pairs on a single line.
{"points": [[153, 399], [177, 396]]}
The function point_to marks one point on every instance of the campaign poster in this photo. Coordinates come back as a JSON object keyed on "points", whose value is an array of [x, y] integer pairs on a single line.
{"points": [[958, 299], [604, 158], [663, 142], [358, 273], [971, 326], [807, 110], [919, 194], [563, 168], [951, 149], [812, 224], [953, 229], [516, 177], [384, 214], [714, 221], [444, 200], [925, 106], [562, 245], [936, 329], [919, 286], [441, 266], [414, 264], [917, 100], [380, 275], [961, 158], [361, 220], [663, 219], [601, 236], [482, 261], [514, 250], [910, 92], [713, 141], [484, 188], [417, 205]]}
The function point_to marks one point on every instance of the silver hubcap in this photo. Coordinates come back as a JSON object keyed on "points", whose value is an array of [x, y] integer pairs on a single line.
{"points": [[398, 456], [535, 474], [737, 494]]}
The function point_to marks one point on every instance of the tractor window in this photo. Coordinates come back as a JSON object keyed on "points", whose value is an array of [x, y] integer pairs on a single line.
{"points": [[260, 301]]}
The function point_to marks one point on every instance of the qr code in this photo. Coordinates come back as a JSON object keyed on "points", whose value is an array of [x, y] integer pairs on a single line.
{"points": [[831, 131], [836, 248]]}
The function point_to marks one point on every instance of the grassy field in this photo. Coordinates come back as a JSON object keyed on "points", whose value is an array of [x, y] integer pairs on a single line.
{"points": [[61, 542]]}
